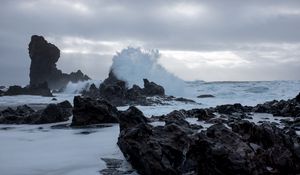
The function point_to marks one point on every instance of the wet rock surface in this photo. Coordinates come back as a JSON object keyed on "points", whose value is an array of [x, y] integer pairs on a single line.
{"points": [[39, 89], [116, 92], [205, 96], [114, 167], [178, 148], [88, 111], [25, 115]]}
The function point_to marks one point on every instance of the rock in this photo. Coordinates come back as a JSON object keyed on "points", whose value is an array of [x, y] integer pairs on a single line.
{"points": [[53, 99], [25, 115], [131, 117], [205, 96], [44, 57], [185, 100], [40, 89], [175, 149], [89, 111], [201, 114], [298, 98], [51, 114], [229, 109], [152, 89], [153, 150], [115, 167]]}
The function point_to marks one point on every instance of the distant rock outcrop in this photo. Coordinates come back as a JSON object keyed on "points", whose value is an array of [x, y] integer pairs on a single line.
{"points": [[117, 93], [36, 89], [44, 57]]}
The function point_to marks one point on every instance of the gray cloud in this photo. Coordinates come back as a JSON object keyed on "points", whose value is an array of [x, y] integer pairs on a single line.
{"points": [[262, 33]]}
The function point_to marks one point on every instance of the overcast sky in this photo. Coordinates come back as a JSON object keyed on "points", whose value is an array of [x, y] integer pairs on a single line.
{"points": [[207, 40]]}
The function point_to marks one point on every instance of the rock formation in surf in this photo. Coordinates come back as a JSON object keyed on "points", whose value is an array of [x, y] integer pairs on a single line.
{"points": [[117, 93], [44, 57]]}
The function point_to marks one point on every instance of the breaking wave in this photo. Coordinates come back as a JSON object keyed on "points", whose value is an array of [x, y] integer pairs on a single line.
{"points": [[134, 64]]}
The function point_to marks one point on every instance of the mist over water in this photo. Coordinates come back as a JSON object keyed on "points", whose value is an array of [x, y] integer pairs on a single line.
{"points": [[134, 64], [76, 88]]}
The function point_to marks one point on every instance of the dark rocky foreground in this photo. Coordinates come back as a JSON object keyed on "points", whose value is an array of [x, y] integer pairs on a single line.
{"points": [[53, 113], [178, 147], [116, 92]]}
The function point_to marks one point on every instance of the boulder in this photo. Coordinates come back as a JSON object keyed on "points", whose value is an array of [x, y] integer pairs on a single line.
{"points": [[152, 89], [89, 111]]}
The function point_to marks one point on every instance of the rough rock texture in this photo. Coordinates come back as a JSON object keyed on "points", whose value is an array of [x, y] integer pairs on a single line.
{"points": [[180, 149], [152, 89], [89, 111], [40, 89], [117, 93], [285, 108], [43, 57], [25, 115]]}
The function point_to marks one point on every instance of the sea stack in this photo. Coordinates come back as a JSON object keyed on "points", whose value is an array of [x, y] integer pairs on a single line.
{"points": [[44, 57]]}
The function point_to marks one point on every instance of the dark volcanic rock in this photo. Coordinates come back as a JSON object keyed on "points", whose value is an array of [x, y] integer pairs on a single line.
{"points": [[285, 108], [25, 115], [205, 96], [179, 149], [159, 150], [89, 111], [40, 89], [116, 92], [44, 57], [152, 89], [131, 117]]}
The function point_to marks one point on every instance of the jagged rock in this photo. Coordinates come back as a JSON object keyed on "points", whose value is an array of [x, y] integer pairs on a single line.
{"points": [[131, 117], [152, 89], [153, 150], [43, 68], [25, 115], [89, 111], [205, 96], [179, 149], [229, 109], [285, 108], [298, 98], [40, 89]]}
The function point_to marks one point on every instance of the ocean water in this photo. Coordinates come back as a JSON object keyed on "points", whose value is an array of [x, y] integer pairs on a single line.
{"points": [[31, 150]]}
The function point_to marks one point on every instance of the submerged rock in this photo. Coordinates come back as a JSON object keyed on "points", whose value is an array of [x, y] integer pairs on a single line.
{"points": [[89, 111], [205, 96]]}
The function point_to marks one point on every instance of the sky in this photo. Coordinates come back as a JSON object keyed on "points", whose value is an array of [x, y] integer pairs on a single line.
{"points": [[211, 40]]}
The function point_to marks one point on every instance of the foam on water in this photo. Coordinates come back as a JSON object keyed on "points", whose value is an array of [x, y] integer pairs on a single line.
{"points": [[75, 88]]}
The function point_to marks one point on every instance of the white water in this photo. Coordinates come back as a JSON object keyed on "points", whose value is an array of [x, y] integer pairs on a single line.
{"points": [[27, 150], [75, 88], [134, 64]]}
